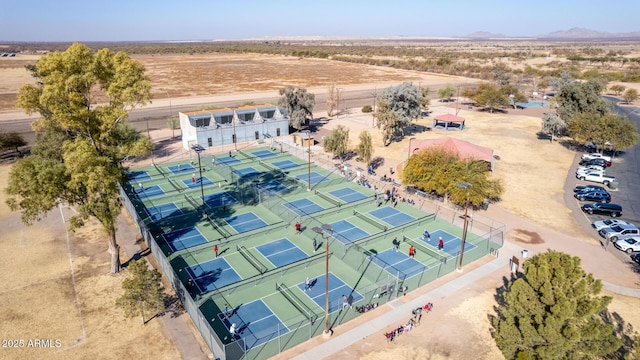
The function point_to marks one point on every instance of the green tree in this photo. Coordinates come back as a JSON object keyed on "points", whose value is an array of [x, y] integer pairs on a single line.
{"points": [[553, 312], [553, 125], [509, 90], [489, 96], [299, 104], [143, 291], [501, 75], [576, 98], [424, 105], [388, 121], [630, 96], [79, 153], [174, 123], [338, 142], [447, 92], [11, 140], [617, 89], [564, 78], [616, 130], [332, 99], [404, 100], [365, 147]]}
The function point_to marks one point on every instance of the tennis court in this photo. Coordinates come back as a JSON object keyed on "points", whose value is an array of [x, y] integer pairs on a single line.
{"points": [[228, 160], [196, 184], [219, 200], [316, 178], [281, 252], [391, 216], [181, 168], [346, 232], [272, 186], [139, 176], [303, 206], [212, 274], [285, 164], [398, 263], [159, 212], [451, 243], [150, 191], [337, 288], [246, 172], [245, 222], [348, 195], [255, 322], [184, 238], [264, 154]]}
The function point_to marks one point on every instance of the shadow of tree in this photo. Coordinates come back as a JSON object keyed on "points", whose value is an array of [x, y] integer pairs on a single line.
{"points": [[622, 330]]}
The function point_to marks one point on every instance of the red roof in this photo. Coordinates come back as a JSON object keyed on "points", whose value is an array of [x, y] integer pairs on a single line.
{"points": [[464, 149], [449, 118]]}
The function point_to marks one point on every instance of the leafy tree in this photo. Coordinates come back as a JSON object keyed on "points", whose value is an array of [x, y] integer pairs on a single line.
{"points": [[617, 130], [424, 105], [388, 121], [501, 75], [630, 96], [553, 125], [11, 140], [404, 100], [489, 96], [617, 89], [365, 147], [174, 123], [81, 146], [553, 312], [332, 100], [565, 78], [447, 92], [143, 291], [338, 142], [518, 96], [299, 104], [576, 98]]}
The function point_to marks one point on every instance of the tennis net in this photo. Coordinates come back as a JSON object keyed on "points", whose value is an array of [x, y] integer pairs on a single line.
{"points": [[370, 220], [173, 183], [269, 166], [251, 259], [425, 249], [293, 299], [191, 201], [328, 198]]}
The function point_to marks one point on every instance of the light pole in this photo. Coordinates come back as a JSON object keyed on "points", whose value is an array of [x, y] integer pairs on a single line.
{"points": [[308, 132], [198, 149], [321, 231], [464, 185], [409, 151]]}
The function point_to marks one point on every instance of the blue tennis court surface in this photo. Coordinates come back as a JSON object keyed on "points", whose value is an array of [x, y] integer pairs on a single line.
{"points": [[181, 168], [184, 238], [255, 323], [219, 200], [245, 222], [303, 206], [337, 288], [196, 184], [348, 195], [315, 177], [398, 263], [285, 164], [139, 176], [272, 186], [213, 274], [229, 160], [264, 154], [346, 232], [281, 252], [392, 216], [163, 211], [451, 243], [246, 172], [150, 191]]}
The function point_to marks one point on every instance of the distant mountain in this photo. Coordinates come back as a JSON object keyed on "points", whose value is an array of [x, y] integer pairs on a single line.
{"points": [[581, 33], [484, 35]]}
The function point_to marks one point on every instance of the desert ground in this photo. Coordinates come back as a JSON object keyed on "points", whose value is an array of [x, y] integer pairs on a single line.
{"points": [[64, 276]]}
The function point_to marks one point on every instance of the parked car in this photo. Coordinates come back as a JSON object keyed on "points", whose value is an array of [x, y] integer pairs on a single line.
{"points": [[583, 188], [584, 171], [596, 177], [628, 245], [599, 196], [601, 162], [591, 156], [601, 224], [619, 232], [614, 210], [590, 167]]}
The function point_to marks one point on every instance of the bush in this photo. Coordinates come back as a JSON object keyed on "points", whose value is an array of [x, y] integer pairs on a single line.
{"points": [[367, 109]]}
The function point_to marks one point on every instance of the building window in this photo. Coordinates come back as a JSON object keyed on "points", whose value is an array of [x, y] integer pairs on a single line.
{"points": [[210, 142], [233, 138], [278, 132], [257, 135]]}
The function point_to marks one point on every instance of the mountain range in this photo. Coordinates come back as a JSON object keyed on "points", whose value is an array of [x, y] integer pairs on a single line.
{"points": [[571, 34]]}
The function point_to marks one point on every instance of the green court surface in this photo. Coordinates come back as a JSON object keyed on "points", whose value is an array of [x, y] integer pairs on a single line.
{"points": [[251, 202]]}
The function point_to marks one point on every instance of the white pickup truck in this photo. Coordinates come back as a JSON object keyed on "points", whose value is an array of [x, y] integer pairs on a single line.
{"points": [[595, 156], [596, 177]]}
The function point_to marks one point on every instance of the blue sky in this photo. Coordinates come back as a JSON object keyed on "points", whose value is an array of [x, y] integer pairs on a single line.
{"points": [[138, 20]]}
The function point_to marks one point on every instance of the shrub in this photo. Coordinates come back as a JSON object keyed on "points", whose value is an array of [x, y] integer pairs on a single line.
{"points": [[367, 109]]}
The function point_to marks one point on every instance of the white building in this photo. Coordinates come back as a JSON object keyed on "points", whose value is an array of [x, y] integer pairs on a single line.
{"points": [[209, 128]]}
